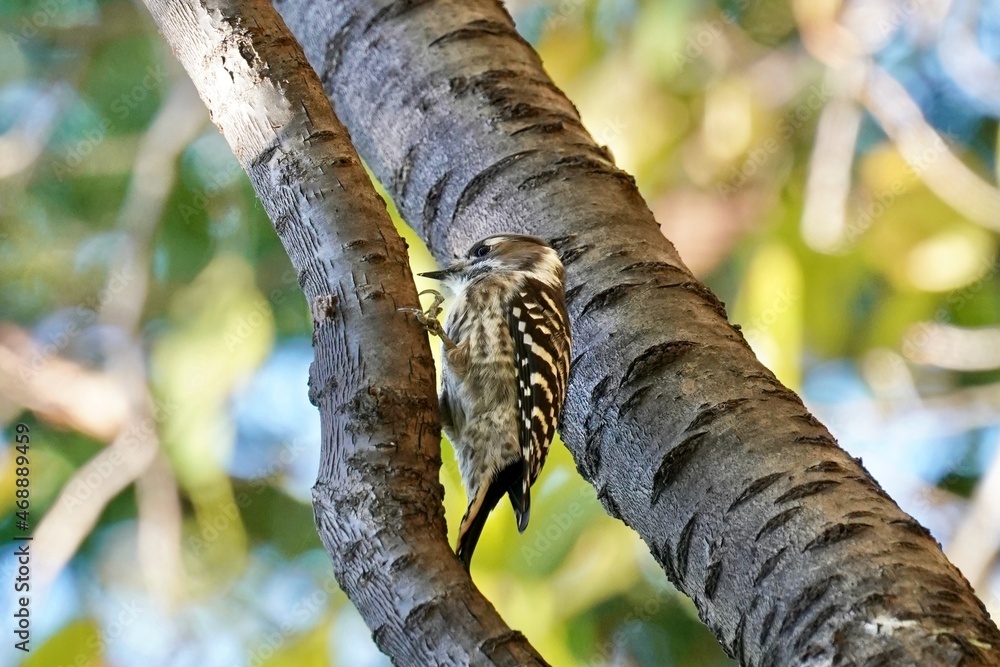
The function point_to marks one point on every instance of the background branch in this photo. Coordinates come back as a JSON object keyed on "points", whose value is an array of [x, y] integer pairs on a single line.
{"points": [[135, 444]]}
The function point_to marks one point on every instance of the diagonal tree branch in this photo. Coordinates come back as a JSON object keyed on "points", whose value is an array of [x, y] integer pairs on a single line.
{"points": [[377, 501], [791, 552]]}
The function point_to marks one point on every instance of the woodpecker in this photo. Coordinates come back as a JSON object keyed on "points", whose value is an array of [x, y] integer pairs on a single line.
{"points": [[506, 357]]}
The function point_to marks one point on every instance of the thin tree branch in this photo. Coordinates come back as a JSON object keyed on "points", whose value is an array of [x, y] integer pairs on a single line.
{"points": [[841, 48], [136, 445], [791, 552], [926, 152], [59, 391], [377, 501], [976, 542]]}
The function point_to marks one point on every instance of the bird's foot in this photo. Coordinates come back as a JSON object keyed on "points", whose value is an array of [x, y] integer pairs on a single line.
{"points": [[429, 318]]}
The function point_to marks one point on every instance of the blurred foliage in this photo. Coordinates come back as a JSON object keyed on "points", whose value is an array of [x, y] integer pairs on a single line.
{"points": [[857, 271]]}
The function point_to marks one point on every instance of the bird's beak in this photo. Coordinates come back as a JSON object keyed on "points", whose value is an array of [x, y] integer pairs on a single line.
{"points": [[445, 273]]}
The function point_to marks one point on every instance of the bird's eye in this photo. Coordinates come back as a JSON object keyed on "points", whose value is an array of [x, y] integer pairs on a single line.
{"points": [[482, 251]]}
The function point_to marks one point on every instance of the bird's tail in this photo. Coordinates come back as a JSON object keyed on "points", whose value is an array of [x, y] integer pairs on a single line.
{"points": [[483, 503], [520, 497]]}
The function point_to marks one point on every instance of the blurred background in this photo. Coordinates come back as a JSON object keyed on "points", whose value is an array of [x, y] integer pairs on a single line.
{"points": [[828, 167]]}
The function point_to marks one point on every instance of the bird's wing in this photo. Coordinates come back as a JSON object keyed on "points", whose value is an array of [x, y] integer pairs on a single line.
{"points": [[539, 328]]}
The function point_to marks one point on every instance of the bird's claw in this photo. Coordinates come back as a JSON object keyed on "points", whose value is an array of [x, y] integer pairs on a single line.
{"points": [[429, 318], [434, 310]]}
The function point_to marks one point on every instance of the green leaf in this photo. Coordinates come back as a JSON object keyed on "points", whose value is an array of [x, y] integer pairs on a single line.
{"points": [[78, 643]]}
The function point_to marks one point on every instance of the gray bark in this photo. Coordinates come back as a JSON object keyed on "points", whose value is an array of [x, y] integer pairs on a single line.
{"points": [[377, 501], [792, 553]]}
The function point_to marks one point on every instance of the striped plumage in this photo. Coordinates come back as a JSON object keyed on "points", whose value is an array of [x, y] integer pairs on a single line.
{"points": [[538, 326], [505, 369]]}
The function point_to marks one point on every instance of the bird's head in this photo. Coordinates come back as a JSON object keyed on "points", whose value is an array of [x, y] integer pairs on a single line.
{"points": [[502, 254]]}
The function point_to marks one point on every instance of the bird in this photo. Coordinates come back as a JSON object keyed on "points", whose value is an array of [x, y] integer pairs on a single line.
{"points": [[505, 368]]}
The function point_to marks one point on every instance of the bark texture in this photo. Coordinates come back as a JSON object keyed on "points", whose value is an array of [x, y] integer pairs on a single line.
{"points": [[377, 501], [792, 553]]}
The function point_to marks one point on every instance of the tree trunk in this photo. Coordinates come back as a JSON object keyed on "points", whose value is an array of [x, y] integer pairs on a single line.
{"points": [[378, 503], [792, 553]]}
